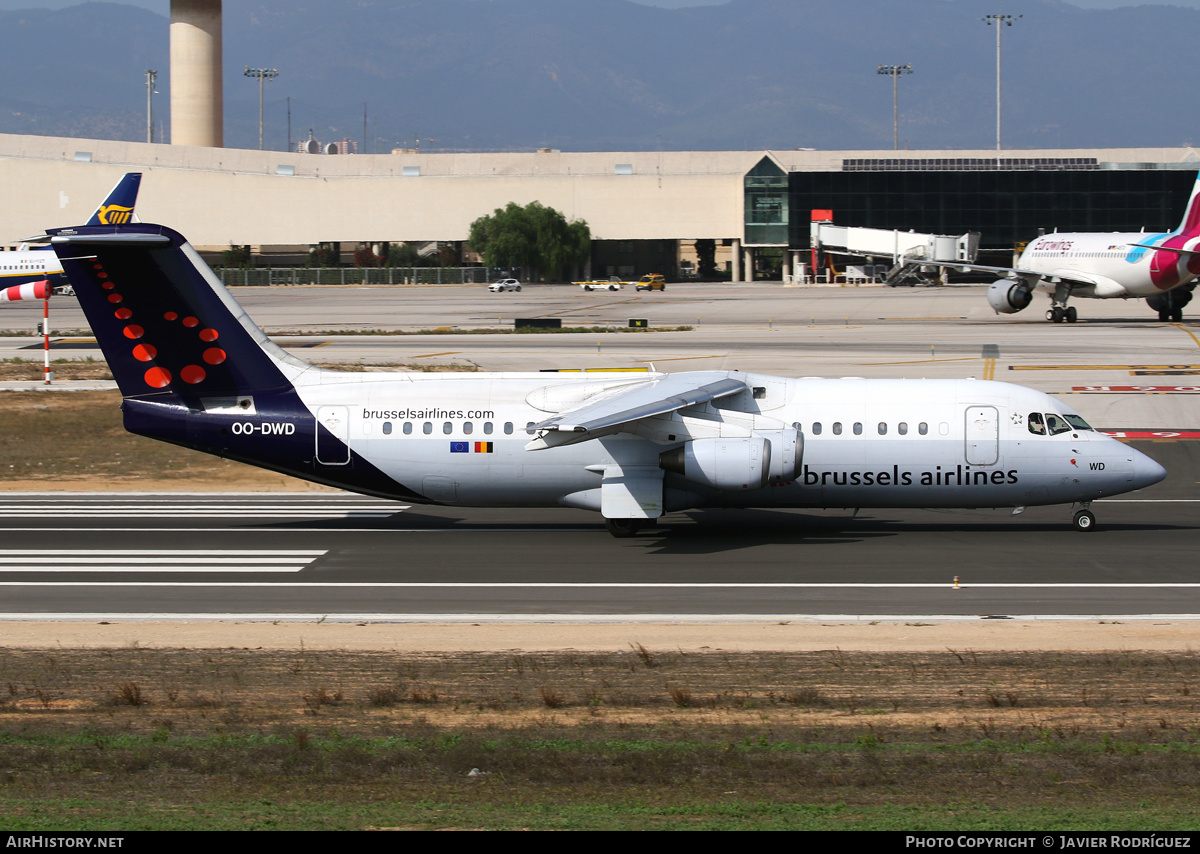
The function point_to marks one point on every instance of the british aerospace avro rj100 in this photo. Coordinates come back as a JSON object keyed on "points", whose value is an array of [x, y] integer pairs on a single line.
{"points": [[196, 371]]}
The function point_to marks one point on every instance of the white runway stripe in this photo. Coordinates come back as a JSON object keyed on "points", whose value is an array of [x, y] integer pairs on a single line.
{"points": [[162, 510], [156, 560]]}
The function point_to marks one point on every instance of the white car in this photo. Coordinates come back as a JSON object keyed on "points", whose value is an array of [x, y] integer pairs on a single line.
{"points": [[504, 285], [613, 284]]}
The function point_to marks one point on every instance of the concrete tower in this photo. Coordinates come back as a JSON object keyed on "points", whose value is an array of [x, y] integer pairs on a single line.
{"points": [[196, 99]]}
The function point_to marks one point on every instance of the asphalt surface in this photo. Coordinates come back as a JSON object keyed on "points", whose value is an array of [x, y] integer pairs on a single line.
{"points": [[360, 558], [205, 555]]}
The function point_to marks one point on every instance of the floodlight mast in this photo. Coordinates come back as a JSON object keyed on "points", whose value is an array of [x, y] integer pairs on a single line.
{"points": [[263, 75], [894, 71], [1000, 21], [151, 76]]}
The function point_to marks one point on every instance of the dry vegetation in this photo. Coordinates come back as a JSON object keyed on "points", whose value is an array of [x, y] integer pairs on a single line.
{"points": [[1116, 734], [75, 440]]}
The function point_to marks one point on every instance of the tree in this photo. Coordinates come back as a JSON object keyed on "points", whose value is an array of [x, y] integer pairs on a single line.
{"points": [[402, 255], [533, 236], [237, 256], [364, 256], [324, 255]]}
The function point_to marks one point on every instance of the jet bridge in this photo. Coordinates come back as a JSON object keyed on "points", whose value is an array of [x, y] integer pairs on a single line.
{"points": [[905, 249]]}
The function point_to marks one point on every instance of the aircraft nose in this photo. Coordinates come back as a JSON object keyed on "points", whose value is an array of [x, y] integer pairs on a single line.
{"points": [[1146, 471]]}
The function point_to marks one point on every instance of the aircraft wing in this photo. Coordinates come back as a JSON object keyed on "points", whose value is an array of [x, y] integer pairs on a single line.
{"points": [[612, 412], [1032, 277], [964, 267]]}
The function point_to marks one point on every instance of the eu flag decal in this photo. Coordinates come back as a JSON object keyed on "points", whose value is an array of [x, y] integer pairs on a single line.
{"points": [[483, 447], [460, 447]]}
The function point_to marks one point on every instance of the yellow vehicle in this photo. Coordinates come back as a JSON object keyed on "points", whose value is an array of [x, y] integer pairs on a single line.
{"points": [[652, 282]]}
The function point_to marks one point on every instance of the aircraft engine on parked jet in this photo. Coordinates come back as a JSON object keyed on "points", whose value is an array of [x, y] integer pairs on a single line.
{"points": [[738, 463], [1170, 304], [1009, 297]]}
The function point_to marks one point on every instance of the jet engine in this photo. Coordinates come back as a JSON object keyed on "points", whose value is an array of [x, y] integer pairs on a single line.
{"points": [[1009, 297], [772, 456], [1169, 304], [731, 464]]}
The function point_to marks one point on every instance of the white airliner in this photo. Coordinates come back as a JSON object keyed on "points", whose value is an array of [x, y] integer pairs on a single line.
{"points": [[1160, 267], [22, 266], [195, 370]]}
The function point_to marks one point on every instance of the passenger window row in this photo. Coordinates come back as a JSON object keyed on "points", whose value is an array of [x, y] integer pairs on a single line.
{"points": [[857, 428], [447, 428], [468, 428]]}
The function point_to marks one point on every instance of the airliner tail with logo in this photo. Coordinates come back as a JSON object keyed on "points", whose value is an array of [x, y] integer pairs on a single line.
{"points": [[22, 266]]}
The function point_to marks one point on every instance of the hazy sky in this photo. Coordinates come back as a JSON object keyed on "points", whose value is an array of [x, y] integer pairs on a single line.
{"points": [[161, 6]]}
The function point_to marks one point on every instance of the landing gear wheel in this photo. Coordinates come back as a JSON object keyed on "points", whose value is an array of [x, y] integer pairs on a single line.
{"points": [[1164, 316], [1084, 520], [622, 528], [1056, 315], [1072, 314], [1177, 316]]}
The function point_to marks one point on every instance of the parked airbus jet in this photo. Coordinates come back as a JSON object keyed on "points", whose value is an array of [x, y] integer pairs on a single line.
{"points": [[34, 265], [1160, 267], [196, 371]]}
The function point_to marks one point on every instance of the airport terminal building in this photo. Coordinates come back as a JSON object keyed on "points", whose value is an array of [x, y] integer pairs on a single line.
{"points": [[646, 209]]}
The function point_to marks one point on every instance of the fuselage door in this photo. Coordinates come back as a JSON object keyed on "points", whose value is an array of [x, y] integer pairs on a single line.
{"points": [[333, 443], [982, 436]]}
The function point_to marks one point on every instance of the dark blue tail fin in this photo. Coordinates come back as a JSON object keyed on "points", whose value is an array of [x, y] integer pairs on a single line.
{"points": [[193, 368], [163, 320], [117, 209]]}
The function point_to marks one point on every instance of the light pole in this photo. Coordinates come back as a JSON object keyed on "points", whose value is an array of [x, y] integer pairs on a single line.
{"points": [[151, 75], [894, 71], [1000, 22], [263, 75]]}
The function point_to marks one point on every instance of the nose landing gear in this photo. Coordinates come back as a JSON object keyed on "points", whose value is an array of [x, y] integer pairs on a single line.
{"points": [[1084, 520]]}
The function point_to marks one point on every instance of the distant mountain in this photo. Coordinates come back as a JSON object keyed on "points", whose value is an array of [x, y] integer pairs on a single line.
{"points": [[611, 74]]}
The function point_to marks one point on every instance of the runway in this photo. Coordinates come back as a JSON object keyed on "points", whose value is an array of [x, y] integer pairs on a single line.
{"points": [[344, 558], [347, 558]]}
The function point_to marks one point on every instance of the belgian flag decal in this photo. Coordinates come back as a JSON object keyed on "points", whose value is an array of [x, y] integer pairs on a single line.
{"points": [[483, 447]]}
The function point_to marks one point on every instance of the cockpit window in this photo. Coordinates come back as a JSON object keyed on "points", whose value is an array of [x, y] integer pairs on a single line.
{"points": [[1036, 424], [1056, 424], [1077, 422]]}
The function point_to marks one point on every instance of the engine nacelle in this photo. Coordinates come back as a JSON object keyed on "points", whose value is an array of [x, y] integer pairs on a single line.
{"points": [[1175, 298], [1009, 297], [728, 464], [787, 453]]}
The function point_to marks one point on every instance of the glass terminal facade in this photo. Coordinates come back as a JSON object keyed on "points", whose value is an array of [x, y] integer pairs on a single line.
{"points": [[1007, 205]]}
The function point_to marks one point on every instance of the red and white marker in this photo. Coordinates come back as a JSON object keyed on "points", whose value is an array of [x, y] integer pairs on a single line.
{"points": [[29, 290]]}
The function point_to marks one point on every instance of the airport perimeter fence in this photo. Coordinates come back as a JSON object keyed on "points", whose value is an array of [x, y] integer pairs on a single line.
{"points": [[292, 276]]}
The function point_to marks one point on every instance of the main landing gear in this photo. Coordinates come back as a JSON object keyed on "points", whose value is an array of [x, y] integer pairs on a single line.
{"points": [[622, 528], [1084, 520], [1059, 310], [1059, 313]]}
